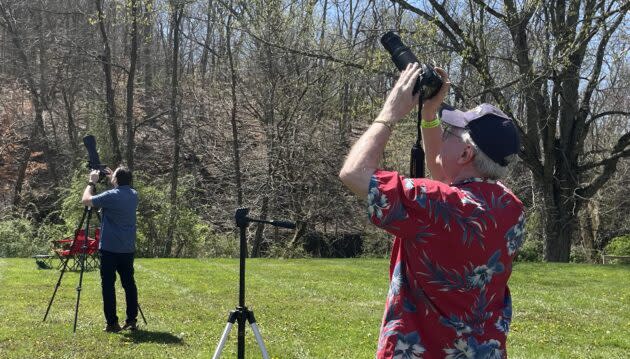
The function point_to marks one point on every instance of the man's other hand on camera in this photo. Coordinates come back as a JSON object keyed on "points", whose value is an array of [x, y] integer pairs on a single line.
{"points": [[109, 174], [363, 159]]}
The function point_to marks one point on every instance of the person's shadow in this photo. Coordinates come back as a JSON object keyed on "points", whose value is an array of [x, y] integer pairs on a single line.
{"points": [[145, 336]]}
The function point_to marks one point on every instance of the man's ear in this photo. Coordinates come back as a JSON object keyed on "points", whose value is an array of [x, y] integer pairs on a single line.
{"points": [[467, 155]]}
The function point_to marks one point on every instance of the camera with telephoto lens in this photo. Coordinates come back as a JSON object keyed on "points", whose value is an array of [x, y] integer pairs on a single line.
{"points": [[429, 82], [94, 163]]}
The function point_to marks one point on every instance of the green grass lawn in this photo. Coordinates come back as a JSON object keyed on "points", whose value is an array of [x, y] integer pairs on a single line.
{"points": [[311, 308]]}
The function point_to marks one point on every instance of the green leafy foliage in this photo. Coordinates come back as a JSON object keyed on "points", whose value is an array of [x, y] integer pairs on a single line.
{"points": [[531, 251], [619, 246], [192, 236], [578, 255], [16, 238]]}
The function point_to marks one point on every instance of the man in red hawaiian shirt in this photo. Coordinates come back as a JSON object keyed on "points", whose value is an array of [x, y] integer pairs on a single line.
{"points": [[455, 235]]}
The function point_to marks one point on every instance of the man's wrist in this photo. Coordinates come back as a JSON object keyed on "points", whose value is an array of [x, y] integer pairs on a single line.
{"points": [[387, 116], [91, 184], [429, 114], [431, 124], [388, 124]]}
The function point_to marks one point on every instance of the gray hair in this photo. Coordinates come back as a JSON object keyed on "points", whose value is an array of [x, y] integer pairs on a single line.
{"points": [[484, 164]]}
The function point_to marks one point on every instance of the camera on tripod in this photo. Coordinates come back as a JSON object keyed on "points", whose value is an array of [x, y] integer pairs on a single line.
{"points": [[94, 162], [429, 82]]}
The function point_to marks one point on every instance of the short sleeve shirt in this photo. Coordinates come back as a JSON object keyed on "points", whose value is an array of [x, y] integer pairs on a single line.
{"points": [[450, 263], [118, 220]]}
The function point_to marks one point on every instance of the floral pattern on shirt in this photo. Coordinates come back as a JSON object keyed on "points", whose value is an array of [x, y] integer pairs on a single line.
{"points": [[470, 348], [515, 235], [504, 320], [450, 262], [408, 346]]}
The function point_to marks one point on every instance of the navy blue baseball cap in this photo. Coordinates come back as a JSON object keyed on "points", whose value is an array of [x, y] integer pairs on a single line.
{"points": [[492, 130]]}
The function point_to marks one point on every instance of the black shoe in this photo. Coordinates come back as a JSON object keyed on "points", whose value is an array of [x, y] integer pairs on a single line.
{"points": [[130, 325], [112, 328]]}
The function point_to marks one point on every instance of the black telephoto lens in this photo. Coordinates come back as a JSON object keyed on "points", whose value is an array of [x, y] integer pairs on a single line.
{"points": [[94, 162], [429, 80], [401, 55], [90, 144]]}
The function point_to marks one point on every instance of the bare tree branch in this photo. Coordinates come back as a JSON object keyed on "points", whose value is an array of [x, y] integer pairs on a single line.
{"points": [[589, 166], [490, 10], [610, 165], [606, 113]]}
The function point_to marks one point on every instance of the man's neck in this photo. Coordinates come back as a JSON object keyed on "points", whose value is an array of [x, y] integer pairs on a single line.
{"points": [[466, 173]]}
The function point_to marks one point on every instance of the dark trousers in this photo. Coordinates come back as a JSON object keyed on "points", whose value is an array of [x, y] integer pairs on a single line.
{"points": [[123, 264]]}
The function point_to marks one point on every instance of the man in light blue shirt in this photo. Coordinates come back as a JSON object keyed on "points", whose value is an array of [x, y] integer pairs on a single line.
{"points": [[117, 243]]}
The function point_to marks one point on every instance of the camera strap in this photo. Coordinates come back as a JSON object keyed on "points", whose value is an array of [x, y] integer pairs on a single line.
{"points": [[416, 166]]}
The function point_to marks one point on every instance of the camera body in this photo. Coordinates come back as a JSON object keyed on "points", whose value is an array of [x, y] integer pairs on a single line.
{"points": [[429, 82], [94, 162]]}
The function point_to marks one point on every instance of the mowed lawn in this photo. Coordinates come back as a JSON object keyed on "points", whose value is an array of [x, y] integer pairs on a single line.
{"points": [[307, 308]]}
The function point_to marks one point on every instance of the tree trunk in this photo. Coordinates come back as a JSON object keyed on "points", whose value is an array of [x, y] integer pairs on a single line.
{"points": [[148, 43], [589, 224], [22, 165], [559, 220], [110, 104], [70, 122], [172, 218], [130, 84], [233, 113], [344, 120], [302, 226], [258, 237], [208, 39]]}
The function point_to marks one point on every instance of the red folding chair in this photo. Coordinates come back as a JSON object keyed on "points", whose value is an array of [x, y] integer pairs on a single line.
{"points": [[71, 249]]}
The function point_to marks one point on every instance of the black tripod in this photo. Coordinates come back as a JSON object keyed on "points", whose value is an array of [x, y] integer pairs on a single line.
{"points": [[87, 214], [241, 313]]}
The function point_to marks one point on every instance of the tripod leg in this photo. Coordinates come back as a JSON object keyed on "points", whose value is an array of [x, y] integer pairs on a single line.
{"points": [[82, 263], [142, 315], [63, 270], [259, 339], [226, 332], [231, 320], [76, 308]]}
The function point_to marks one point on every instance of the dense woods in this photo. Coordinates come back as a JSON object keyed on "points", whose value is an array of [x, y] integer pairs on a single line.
{"points": [[218, 104]]}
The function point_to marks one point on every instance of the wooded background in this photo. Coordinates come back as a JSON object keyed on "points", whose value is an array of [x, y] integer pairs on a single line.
{"points": [[218, 104]]}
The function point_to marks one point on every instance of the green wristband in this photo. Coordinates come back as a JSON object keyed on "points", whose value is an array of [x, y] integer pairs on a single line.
{"points": [[430, 124]]}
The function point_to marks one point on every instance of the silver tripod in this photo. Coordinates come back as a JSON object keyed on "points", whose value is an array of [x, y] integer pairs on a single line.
{"points": [[241, 313], [235, 315]]}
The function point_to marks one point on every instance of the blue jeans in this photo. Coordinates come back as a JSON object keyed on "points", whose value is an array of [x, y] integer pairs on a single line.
{"points": [[123, 264]]}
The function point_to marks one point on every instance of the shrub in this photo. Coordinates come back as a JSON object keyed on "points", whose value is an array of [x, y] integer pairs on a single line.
{"points": [[579, 255], [619, 246], [344, 245], [71, 207], [376, 243], [220, 245], [16, 238], [192, 237], [530, 251], [280, 249]]}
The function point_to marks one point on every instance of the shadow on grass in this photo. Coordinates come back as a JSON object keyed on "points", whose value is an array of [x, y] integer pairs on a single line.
{"points": [[145, 336]]}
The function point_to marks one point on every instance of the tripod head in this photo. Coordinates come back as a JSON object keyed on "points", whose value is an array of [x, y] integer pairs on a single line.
{"points": [[242, 221]]}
